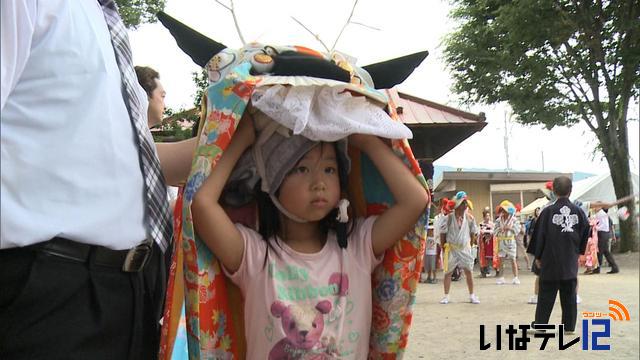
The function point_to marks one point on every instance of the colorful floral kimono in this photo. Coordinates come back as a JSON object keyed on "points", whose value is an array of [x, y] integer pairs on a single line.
{"points": [[590, 257], [213, 306]]}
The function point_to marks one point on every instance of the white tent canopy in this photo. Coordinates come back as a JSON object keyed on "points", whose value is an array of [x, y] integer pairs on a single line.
{"points": [[595, 188], [537, 203], [598, 188]]}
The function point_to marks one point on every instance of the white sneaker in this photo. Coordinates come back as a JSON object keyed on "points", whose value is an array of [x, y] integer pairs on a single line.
{"points": [[533, 299], [515, 281], [474, 299], [500, 281], [423, 278], [578, 299], [445, 300]]}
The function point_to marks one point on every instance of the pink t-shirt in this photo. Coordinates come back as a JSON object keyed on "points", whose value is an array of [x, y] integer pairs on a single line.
{"points": [[305, 306]]}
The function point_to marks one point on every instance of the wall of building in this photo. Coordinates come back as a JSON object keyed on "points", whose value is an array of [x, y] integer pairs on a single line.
{"points": [[514, 196], [478, 192]]}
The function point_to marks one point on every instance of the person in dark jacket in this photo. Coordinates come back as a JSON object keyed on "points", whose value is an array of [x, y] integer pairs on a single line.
{"points": [[561, 236]]}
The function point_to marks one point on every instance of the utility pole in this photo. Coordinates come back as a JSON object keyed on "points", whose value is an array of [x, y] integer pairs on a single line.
{"points": [[506, 141], [542, 154]]}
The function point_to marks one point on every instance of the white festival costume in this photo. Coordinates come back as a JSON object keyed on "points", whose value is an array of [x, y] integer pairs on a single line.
{"points": [[459, 251], [506, 232]]}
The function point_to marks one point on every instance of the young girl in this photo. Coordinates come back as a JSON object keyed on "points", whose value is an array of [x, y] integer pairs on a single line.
{"points": [[305, 295]]}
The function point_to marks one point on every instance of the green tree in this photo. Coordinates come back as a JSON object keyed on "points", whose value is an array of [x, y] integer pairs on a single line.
{"points": [[201, 80], [171, 129], [556, 63], [136, 12]]}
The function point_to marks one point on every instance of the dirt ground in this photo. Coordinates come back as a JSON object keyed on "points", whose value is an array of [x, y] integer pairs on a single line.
{"points": [[452, 331]]}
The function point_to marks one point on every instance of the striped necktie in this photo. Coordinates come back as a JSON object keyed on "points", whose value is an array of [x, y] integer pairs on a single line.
{"points": [[158, 216]]}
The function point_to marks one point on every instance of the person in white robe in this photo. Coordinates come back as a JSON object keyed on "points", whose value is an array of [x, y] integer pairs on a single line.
{"points": [[458, 231]]}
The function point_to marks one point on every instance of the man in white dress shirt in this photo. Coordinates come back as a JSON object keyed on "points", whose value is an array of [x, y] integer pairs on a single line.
{"points": [[73, 205]]}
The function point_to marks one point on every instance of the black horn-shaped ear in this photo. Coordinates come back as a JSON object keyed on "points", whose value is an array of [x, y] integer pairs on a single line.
{"points": [[389, 73], [199, 47]]}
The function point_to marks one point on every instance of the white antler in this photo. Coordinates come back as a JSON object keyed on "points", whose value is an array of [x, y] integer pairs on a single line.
{"points": [[345, 25], [353, 9], [365, 25], [235, 19], [312, 33]]}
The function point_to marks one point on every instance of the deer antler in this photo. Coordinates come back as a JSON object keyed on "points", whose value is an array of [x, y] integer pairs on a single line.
{"points": [[353, 9], [345, 25], [235, 19], [365, 25], [312, 33]]}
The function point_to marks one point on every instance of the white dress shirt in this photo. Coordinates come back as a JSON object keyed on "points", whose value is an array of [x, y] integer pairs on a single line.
{"points": [[70, 165], [602, 221]]}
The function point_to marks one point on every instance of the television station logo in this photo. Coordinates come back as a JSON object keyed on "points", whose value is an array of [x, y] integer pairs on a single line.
{"points": [[618, 311], [596, 327]]}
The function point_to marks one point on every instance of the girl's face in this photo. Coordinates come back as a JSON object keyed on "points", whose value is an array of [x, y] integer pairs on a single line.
{"points": [[312, 188]]}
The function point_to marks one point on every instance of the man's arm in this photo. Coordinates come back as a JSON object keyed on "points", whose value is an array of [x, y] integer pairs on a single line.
{"points": [[175, 160], [16, 31], [597, 205]]}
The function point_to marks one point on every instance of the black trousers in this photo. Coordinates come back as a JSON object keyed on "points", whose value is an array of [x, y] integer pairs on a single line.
{"points": [[55, 308], [603, 249], [547, 298]]}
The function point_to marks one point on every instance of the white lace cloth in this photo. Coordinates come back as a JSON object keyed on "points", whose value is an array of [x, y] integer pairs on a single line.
{"points": [[326, 113]]}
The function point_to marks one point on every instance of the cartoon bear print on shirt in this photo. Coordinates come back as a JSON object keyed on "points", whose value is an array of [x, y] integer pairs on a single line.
{"points": [[303, 329]]}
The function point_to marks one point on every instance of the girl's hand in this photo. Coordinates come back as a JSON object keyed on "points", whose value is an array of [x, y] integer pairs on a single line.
{"points": [[210, 220], [409, 195]]}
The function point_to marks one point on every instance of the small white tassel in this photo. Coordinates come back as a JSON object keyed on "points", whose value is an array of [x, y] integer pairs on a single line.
{"points": [[343, 214]]}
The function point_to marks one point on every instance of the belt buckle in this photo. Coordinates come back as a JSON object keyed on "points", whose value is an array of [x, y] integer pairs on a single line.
{"points": [[137, 258]]}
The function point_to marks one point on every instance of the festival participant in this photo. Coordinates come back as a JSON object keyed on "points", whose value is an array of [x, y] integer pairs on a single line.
{"points": [[301, 232], [507, 227], [149, 79], [444, 208], [604, 226], [590, 257], [312, 286], [520, 239], [486, 243], [429, 266], [561, 237], [457, 231], [601, 223], [531, 223]]}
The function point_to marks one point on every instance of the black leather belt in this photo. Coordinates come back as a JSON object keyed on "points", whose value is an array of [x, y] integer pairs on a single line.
{"points": [[132, 260]]}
